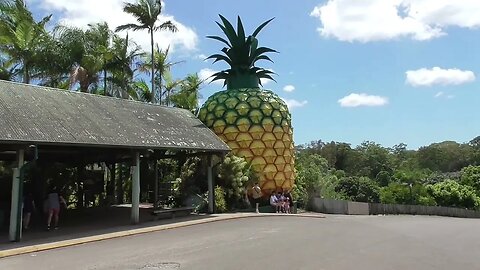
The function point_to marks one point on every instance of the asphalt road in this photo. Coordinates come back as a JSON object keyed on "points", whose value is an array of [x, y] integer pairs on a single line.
{"points": [[335, 242]]}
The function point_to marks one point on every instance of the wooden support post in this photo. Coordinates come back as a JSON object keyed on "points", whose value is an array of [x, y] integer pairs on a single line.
{"points": [[135, 217], [15, 232], [211, 195]]}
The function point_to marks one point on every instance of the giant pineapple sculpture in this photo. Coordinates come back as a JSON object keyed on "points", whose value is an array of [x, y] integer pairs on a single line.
{"points": [[255, 123]]}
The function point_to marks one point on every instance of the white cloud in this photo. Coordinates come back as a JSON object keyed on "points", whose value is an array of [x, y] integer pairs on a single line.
{"points": [[205, 75], [201, 56], [356, 100], [265, 81], [443, 95], [289, 88], [292, 103], [80, 13], [373, 20], [438, 76]]}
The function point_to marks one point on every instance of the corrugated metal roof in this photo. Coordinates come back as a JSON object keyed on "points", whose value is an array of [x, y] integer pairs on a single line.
{"points": [[35, 114]]}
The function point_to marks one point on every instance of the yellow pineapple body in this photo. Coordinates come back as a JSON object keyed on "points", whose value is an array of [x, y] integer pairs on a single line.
{"points": [[256, 124]]}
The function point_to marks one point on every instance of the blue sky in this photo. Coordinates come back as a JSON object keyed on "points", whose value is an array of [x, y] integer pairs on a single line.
{"points": [[379, 70]]}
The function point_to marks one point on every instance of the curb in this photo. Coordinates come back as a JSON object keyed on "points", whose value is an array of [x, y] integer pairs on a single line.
{"points": [[101, 237]]}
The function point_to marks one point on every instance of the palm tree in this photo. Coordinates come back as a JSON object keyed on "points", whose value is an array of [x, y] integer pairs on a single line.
{"points": [[170, 87], [146, 12], [100, 36], [189, 94], [142, 91], [84, 56], [21, 36], [124, 54], [162, 70], [7, 69]]}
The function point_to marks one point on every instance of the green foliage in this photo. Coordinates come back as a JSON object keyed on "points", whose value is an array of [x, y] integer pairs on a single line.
{"points": [[187, 184], [240, 54], [189, 94], [451, 193], [147, 12], [359, 189], [234, 175], [445, 156], [373, 159], [314, 178], [471, 176], [220, 202], [397, 193], [383, 178], [410, 176], [21, 37]]}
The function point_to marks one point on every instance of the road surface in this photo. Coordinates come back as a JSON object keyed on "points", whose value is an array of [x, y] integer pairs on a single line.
{"points": [[335, 242]]}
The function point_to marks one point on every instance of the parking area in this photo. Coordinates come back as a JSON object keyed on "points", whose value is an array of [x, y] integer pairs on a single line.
{"points": [[334, 242]]}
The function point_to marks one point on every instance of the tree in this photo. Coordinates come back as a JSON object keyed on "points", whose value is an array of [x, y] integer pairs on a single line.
{"points": [[100, 36], [124, 53], [359, 189], [187, 97], [7, 69], [162, 72], [83, 56], [146, 12], [373, 159], [451, 193], [234, 176], [471, 176], [142, 92], [446, 156], [22, 37], [475, 147], [396, 193], [314, 178]]}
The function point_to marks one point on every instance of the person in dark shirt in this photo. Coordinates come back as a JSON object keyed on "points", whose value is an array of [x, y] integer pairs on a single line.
{"points": [[28, 209]]}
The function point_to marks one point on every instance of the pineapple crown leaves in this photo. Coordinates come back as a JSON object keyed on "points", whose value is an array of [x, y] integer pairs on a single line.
{"points": [[241, 52]]}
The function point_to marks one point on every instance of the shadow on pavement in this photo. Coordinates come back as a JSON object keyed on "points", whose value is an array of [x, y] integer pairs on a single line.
{"points": [[87, 222]]}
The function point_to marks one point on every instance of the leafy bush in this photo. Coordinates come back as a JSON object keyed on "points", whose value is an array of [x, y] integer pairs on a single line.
{"points": [[471, 176], [396, 193], [451, 193], [314, 178], [234, 175], [359, 189], [220, 202]]}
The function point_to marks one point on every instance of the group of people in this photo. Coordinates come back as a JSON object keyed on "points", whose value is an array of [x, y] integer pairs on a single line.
{"points": [[51, 207], [282, 202]]}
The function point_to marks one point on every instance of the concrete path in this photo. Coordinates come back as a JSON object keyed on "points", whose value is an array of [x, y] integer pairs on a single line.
{"points": [[285, 242], [97, 232]]}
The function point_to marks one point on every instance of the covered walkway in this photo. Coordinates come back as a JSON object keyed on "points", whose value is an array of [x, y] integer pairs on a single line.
{"points": [[40, 126]]}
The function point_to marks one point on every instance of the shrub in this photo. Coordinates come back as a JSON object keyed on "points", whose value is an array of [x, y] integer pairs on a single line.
{"points": [[220, 202], [451, 193]]}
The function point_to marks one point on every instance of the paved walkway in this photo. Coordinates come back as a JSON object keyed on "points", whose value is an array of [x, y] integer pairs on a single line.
{"points": [[101, 224], [285, 243]]}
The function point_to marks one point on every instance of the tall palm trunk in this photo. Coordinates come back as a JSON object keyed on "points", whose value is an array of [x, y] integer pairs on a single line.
{"points": [[104, 79], [153, 68], [26, 75]]}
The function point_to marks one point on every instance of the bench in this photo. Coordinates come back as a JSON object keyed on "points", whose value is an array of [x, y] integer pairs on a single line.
{"points": [[172, 212]]}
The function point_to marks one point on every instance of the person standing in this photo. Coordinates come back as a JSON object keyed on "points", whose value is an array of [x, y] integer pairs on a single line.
{"points": [[257, 195], [28, 209], [54, 201]]}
